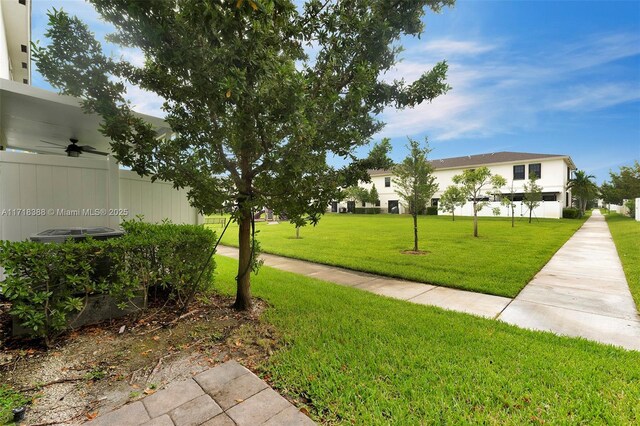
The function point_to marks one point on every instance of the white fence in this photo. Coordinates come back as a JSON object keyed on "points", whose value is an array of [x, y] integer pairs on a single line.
{"points": [[546, 209], [638, 209], [39, 192]]}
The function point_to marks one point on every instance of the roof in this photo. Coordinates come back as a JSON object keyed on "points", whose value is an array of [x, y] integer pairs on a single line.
{"points": [[482, 159]]}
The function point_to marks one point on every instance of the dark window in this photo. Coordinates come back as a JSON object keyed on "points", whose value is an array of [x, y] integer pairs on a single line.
{"points": [[549, 197], [387, 182], [566, 199], [23, 2], [364, 204], [518, 172], [536, 169], [351, 206], [24, 65], [23, 48], [25, 81], [377, 203], [392, 207], [434, 202]]}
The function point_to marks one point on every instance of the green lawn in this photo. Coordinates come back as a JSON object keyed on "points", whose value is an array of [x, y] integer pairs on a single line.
{"points": [[502, 261], [626, 235], [367, 360]]}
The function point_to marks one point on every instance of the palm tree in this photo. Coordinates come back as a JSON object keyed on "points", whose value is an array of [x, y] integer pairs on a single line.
{"points": [[583, 188]]}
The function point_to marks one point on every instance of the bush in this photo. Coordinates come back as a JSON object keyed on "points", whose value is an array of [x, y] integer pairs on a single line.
{"points": [[49, 284], [570, 213], [631, 208], [367, 210], [432, 211]]}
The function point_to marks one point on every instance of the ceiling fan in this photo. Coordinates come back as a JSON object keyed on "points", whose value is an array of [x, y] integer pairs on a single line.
{"points": [[73, 149]]}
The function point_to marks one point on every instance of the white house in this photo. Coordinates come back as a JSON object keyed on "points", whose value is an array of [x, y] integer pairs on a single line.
{"points": [[554, 172], [44, 184]]}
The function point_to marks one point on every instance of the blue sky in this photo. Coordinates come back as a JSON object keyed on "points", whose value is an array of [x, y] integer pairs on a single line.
{"points": [[557, 77]]}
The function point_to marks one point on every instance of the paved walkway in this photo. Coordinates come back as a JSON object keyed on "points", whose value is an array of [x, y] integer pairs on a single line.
{"points": [[425, 294], [582, 291], [226, 395]]}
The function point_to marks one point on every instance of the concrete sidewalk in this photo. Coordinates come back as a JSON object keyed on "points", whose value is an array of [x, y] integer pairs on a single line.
{"points": [[226, 395], [484, 305], [582, 291]]}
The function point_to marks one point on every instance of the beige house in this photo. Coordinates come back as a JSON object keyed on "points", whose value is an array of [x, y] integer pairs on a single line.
{"points": [[554, 172]]}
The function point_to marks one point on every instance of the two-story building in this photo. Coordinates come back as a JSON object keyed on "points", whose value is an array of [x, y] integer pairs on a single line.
{"points": [[553, 172]]}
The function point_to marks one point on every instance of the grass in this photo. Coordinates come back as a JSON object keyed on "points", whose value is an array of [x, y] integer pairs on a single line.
{"points": [[9, 399], [626, 234], [501, 261], [358, 358]]}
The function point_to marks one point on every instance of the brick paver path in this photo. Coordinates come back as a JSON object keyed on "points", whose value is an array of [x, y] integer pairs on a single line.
{"points": [[226, 395]]}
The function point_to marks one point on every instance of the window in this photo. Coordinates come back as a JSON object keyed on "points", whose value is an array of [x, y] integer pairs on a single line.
{"points": [[377, 203], [536, 169], [518, 172], [434, 202], [549, 197], [364, 204], [387, 182]]}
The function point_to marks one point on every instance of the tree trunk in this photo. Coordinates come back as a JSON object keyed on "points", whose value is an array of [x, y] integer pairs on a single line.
{"points": [[475, 220], [415, 232], [297, 232], [530, 212], [453, 215], [513, 219], [243, 294]]}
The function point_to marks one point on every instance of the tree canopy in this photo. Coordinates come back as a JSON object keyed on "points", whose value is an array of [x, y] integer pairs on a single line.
{"points": [[532, 194], [253, 117], [451, 198], [583, 188]]}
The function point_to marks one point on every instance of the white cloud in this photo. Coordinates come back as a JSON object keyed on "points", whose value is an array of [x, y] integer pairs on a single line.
{"points": [[449, 47], [493, 95]]}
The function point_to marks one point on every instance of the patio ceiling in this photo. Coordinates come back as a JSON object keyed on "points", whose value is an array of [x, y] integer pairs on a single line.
{"points": [[30, 117]]}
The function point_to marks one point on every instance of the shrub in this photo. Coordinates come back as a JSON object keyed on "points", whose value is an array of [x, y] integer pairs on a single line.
{"points": [[631, 207], [367, 210], [49, 284], [570, 213], [432, 211]]}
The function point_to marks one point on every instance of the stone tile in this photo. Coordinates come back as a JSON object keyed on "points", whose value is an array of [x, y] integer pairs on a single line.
{"points": [[258, 409], [171, 397], [163, 420], [128, 415], [569, 322], [463, 301], [219, 420], [196, 411], [238, 390], [214, 380], [289, 417]]}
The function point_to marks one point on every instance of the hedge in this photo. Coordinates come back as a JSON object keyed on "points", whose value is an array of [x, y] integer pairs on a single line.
{"points": [[367, 210], [49, 285], [570, 213], [432, 211]]}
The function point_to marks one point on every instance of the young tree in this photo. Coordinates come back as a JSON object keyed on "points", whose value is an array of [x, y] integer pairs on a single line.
{"points": [[251, 115], [374, 197], [415, 182], [509, 203], [452, 197], [624, 185], [532, 194], [474, 184], [583, 189], [356, 193]]}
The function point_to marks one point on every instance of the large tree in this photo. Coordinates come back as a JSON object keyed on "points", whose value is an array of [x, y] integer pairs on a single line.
{"points": [[532, 194], [253, 118], [415, 182], [625, 184], [478, 185], [583, 188]]}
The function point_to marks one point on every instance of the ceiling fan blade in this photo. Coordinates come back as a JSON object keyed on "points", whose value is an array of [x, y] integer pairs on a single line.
{"points": [[51, 147], [53, 143]]}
